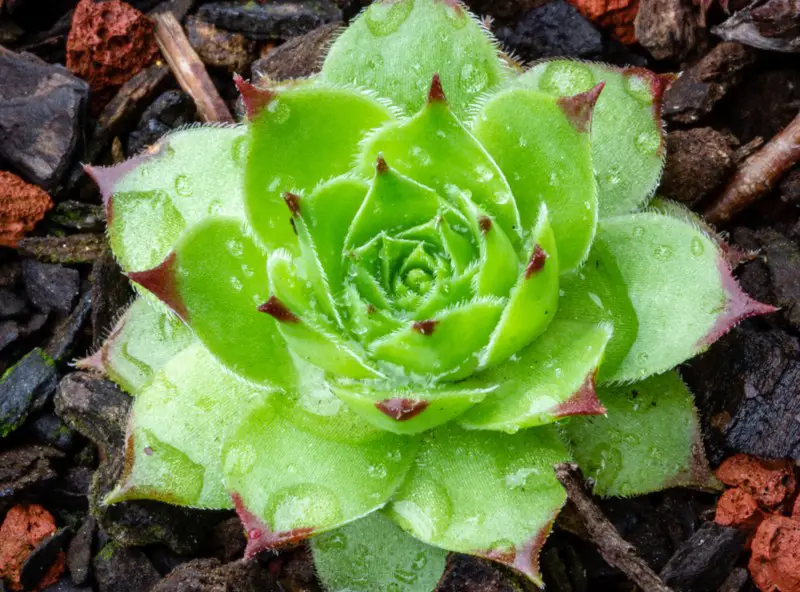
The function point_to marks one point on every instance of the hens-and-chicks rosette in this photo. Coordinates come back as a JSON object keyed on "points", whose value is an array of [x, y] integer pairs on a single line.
{"points": [[389, 298]]}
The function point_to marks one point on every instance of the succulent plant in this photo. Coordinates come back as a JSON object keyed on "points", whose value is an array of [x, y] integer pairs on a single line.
{"points": [[378, 313]]}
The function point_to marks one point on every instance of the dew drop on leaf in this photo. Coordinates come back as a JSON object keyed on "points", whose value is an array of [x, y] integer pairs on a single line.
{"points": [[279, 111], [638, 87], [474, 79], [405, 576], [384, 18], [303, 505], [648, 142], [662, 252], [236, 283], [697, 247], [239, 150], [566, 78], [638, 231], [183, 186]]}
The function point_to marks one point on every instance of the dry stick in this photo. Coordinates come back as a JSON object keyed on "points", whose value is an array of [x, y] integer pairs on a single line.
{"points": [[189, 70], [615, 550], [758, 174]]}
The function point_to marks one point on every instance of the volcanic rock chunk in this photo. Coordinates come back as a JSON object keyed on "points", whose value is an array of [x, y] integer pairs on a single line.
{"points": [[171, 110], [50, 286], [556, 29], [42, 559], [274, 20], [121, 569], [25, 388], [62, 343], [22, 205], [41, 108], [704, 561], [23, 470]]}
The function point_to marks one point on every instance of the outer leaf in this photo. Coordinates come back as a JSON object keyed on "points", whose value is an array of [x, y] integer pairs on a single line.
{"points": [[299, 138], [375, 554], [174, 440], [628, 157], [213, 280], [143, 340], [550, 379], [395, 48], [307, 464], [680, 286], [649, 441], [542, 145], [484, 493], [153, 198]]}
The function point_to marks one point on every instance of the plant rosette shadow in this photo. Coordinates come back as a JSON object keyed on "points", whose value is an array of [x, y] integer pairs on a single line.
{"points": [[377, 314]]}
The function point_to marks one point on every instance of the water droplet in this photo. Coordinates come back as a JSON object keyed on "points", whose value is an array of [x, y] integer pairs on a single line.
{"points": [[236, 284], [638, 231], [697, 246], [331, 541], [183, 186], [566, 78], [427, 509], [239, 150], [280, 111], [639, 88], [519, 477], [215, 207], [642, 358], [648, 142], [384, 18], [240, 460], [235, 248], [420, 156], [662, 252], [303, 505], [474, 79], [377, 471], [405, 576], [596, 299]]}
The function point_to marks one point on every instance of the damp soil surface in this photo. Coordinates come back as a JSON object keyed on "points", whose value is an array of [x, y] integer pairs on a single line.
{"points": [[84, 83]]}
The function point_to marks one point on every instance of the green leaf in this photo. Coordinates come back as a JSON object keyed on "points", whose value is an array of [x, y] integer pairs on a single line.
{"points": [[650, 440], [627, 134], [550, 379], [175, 430], [301, 137], [409, 409], [395, 48], [484, 493], [375, 554], [680, 286], [215, 281], [542, 146], [444, 346], [144, 339], [169, 189], [435, 149], [305, 463]]}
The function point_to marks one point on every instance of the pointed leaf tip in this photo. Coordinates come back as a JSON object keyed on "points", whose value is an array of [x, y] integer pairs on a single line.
{"points": [[485, 222], [106, 178], [578, 108], [259, 536], [381, 167], [278, 310], [436, 93], [583, 402], [161, 281], [255, 99], [525, 558], [536, 264], [402, 409], [739, 306], [293, 203], [425, 327]]}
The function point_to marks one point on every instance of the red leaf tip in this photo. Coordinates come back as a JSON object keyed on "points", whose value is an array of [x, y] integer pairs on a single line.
{"points": [[278, 310], [161, 281], [436, 93], [293, 203], [525, 558], [536, 264], [260, 536], [425, 328], [578, 108], [401, 409], [107, 177], [583, 402], [485, 223], [380, 165], [739, 306], [255, 99]]}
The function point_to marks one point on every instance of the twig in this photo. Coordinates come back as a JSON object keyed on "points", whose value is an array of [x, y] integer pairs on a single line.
{"points": [[758, 174], [615, 550], [189, 70]]}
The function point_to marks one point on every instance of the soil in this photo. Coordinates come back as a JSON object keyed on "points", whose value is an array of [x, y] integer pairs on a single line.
{"points": [[61, 431]]}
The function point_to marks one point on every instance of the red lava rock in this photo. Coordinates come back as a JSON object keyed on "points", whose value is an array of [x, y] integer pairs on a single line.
{"points": [[770, 482], [24, 527], [738, 508], [108, 44], [22, 205], [775, 564], [616, 16]]}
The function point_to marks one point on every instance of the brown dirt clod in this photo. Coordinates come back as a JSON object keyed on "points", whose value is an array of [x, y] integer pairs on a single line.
{"points": [[108, 44], [22, 205]]}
